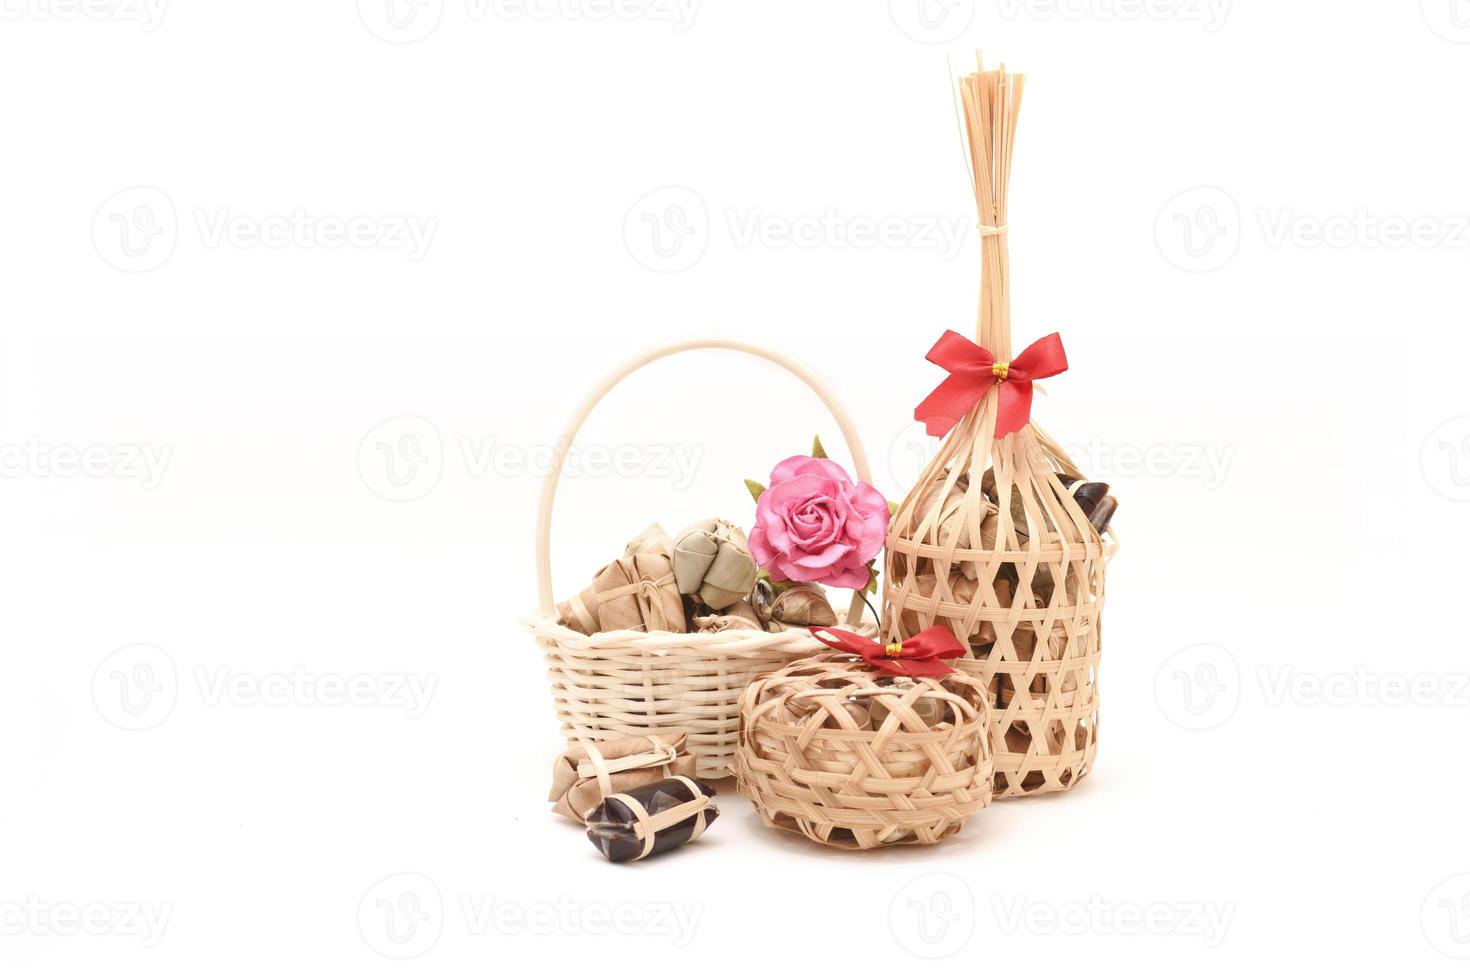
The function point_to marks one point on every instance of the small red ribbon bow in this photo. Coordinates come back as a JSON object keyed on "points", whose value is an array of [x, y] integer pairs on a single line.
{"points": [[973, 370], [918, 656]]}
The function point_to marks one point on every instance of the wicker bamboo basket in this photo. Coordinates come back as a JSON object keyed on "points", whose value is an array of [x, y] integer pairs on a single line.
{"points": [[629, 682], [831, 751], [990, 541]]}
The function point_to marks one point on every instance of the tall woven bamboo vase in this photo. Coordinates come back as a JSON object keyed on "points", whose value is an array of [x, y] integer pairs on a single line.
{"points": [[990, 543], [629, 682]]}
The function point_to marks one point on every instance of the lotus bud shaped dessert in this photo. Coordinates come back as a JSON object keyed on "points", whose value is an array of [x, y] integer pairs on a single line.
{"points": [[712, 562], [795, 607]]}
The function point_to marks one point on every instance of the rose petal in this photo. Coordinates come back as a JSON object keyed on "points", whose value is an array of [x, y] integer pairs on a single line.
{"points": [[809, 466], [847, 578], [759, 547]]}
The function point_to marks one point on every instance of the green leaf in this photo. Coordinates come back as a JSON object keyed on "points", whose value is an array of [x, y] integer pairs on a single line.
{"points": [[872, 587], [817, 451], [892, 509], [777, 585], [755, 490]]}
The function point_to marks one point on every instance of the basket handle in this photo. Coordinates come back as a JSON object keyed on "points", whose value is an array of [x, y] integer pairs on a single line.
{"points": [[564, 444]]}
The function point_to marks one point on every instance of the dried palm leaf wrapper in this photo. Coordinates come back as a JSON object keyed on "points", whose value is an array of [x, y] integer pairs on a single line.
{"points": [[740, 616], [794, 607], [651, 818], [635, 592], [991, 542], [712, 562], [588, 772]]}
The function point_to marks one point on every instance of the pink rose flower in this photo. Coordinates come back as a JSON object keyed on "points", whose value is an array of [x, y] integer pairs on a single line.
{"points": [[814, 523]]}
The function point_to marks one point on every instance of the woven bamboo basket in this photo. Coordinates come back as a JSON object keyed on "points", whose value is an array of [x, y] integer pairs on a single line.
{"points": [[990, 541], [830, 751], [629, 682]]}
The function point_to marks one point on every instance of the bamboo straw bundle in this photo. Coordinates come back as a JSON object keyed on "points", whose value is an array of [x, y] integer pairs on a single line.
{"points": [[990, 541]]}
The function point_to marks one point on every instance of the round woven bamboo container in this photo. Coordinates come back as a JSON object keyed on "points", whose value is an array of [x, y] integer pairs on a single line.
{"points": [[830, 750], [990, 541], [629, 682]]}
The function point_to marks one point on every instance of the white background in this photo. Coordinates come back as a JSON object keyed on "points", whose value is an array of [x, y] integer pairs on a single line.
{"points": [[261, 444]]}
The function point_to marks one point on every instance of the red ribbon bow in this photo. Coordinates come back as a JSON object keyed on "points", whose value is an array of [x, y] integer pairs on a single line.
{"points": [[918, 656], [973, 370]]}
